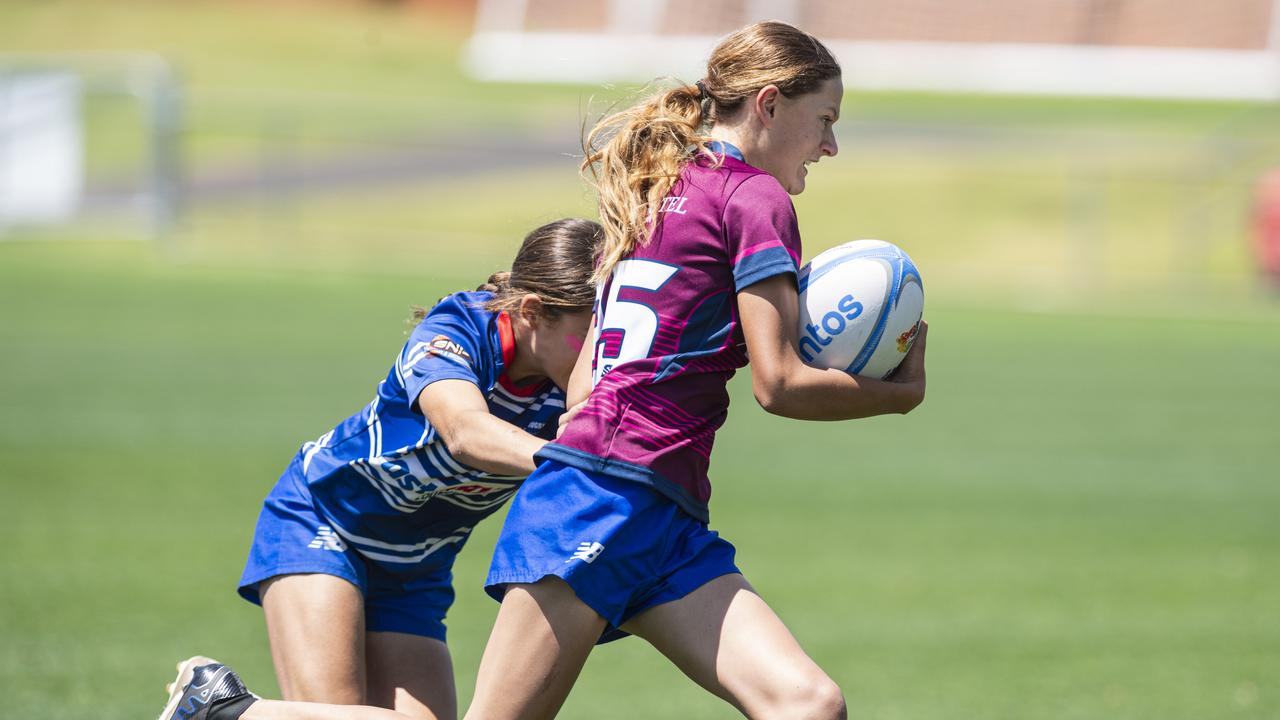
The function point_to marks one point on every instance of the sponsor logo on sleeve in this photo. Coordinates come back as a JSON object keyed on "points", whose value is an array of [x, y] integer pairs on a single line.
{"points": [[442, 345]]}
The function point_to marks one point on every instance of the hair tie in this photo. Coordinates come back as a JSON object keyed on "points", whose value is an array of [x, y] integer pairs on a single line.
{"points": [[705, 101]]}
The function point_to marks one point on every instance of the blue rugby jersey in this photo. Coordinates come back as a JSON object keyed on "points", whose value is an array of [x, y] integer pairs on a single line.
{"points": [[383, 477]]}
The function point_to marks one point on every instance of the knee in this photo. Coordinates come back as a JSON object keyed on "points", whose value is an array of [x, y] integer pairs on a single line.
{"points": [[828, 700], [318, 678], [814, 697], [817, 698], [338, 690]]}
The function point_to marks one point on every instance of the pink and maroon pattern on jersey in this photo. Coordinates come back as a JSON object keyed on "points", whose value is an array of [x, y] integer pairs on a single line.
{"points": [[668, 337]]}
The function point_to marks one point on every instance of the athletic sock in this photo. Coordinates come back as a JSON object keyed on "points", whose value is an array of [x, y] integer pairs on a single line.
{"points": [[231, 708]]}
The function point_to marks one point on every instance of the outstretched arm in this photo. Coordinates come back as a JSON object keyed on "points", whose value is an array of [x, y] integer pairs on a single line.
{"points": [[785, 385], [459, 413]]}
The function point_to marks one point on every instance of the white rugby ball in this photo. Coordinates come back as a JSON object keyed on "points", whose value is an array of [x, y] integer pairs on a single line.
{"points": [[860, 307]]}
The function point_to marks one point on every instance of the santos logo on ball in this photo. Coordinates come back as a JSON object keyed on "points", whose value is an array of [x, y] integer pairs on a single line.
{"points": [[833, 323]]}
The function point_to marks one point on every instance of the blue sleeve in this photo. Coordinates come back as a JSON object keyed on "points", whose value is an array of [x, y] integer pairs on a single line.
{"points": [[449, 344]]}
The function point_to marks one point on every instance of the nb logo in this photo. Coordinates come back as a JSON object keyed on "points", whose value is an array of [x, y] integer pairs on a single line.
{"points": [[587, 552], [193, 707], [327, 539]]}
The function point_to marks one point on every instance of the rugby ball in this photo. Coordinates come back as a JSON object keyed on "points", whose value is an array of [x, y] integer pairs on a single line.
{"points": [[860, 307]]}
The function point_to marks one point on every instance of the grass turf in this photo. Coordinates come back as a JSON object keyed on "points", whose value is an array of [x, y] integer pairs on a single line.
{"points": [[1079, 523]]}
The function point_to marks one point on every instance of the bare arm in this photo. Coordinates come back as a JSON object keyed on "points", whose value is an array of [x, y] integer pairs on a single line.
{"points": [[785, 385], [458, 412]]}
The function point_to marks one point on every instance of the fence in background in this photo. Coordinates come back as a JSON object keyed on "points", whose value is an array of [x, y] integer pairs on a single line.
{"points": [[88, 140], [1034, 206]]}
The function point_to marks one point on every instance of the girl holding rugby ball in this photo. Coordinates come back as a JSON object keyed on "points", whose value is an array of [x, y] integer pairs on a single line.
{"points": [[698, 271]]}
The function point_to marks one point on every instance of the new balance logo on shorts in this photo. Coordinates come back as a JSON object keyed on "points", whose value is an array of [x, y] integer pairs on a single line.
{"points": [[587, 552], [327, 539]]}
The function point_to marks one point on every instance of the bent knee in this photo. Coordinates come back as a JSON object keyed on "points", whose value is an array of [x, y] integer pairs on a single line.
{"points": [[816, 698], [829, 701], [320, 678], [330, 694]]}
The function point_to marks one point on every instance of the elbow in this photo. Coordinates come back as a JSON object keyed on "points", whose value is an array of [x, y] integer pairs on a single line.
{"points": [[771, 394], [912, 399], [459, 446], [775, 385]]}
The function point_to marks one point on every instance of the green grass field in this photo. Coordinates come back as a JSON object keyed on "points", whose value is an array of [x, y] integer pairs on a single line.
{"points": [[1081, 523]]}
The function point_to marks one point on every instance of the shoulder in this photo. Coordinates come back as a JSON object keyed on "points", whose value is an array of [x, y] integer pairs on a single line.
{"points": [[757, 187], [737, 182], [733, 183], [465, 309], [458, 325]]}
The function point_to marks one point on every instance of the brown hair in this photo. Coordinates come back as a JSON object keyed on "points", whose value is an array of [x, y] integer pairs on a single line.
{"points": [[635, 156], [554, 263]]}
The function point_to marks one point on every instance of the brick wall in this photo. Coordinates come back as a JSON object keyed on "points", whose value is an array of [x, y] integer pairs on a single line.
{"points": [[1226, 24]]}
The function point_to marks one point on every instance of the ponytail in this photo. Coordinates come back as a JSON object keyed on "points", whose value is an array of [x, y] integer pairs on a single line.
{"points": [[633, 158], [498, 283]]}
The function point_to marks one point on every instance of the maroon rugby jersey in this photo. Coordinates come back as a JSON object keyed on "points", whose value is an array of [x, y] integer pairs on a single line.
{"points": [[667, 333]]}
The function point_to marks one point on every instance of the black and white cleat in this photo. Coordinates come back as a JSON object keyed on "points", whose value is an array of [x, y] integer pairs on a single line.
{"points": [[202, 686]]}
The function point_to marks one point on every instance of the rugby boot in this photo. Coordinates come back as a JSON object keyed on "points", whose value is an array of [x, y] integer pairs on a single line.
{"points": [[205, 687]]}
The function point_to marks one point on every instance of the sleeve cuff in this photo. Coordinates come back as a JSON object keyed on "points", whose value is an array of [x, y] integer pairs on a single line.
{"points": [[753, 275]]}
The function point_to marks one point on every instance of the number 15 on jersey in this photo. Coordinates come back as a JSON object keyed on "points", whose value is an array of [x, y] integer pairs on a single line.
{"points": [[626, 327]]}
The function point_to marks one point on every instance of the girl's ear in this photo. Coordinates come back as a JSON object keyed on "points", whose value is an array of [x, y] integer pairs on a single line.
{"points": [[530, 308], [766, 103]]}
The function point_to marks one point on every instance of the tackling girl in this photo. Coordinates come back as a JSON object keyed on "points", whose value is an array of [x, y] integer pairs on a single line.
{"points": [[352, 557]]}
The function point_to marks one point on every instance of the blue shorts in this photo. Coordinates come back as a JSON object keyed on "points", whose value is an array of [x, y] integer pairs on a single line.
{"points": [[620, 545], [294, 538]]}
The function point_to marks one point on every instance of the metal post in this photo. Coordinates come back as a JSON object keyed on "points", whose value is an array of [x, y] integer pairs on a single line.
{"points": [[164, 114]]}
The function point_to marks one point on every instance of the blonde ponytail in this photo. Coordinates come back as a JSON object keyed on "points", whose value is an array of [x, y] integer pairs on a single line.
{"points": [[633, 158]]}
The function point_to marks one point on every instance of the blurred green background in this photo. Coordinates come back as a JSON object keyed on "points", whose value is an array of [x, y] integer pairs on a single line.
{"points": [[1083, 520]]}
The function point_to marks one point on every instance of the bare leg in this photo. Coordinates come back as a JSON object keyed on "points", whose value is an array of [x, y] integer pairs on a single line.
{"points": [[539, 643], [182, 696], [412, 674], [280, 710], [730, 642], [315, 623]]}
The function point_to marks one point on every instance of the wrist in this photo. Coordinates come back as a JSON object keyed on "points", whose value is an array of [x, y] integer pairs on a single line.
{"points": [[909, 395]]}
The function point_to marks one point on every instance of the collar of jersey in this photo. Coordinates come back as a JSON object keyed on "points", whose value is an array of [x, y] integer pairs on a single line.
{"points": [[507, 339], [724, 148]]}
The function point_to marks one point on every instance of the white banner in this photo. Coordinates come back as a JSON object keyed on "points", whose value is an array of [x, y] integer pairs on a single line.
{"points": [[41, 147]]}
